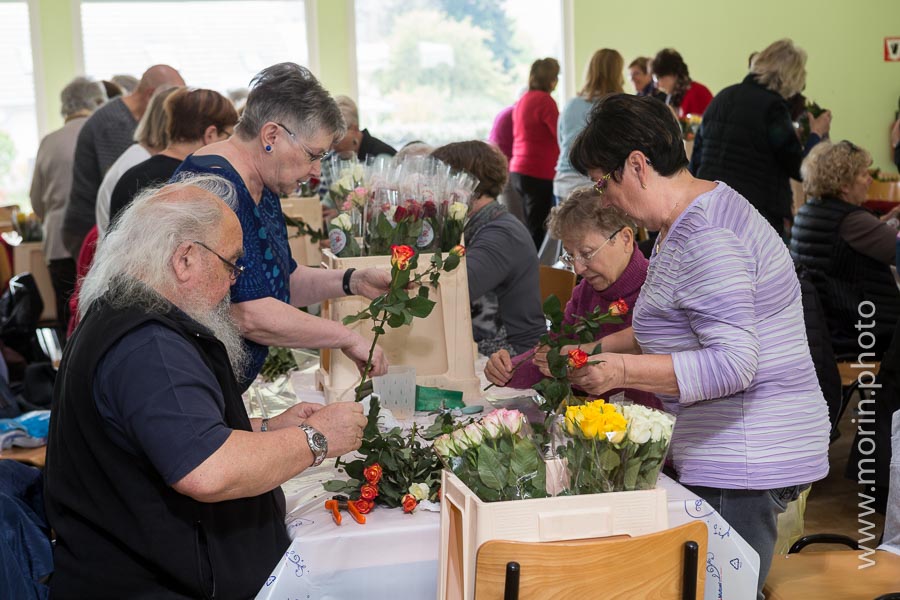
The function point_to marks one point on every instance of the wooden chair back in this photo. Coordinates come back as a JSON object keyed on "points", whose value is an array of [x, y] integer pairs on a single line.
{"points": [[560, 282], [613, 568]]}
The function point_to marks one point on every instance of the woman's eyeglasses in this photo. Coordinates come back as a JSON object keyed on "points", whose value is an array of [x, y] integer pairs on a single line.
{"points": [[312, 157], [570, 259], [233, 269]]}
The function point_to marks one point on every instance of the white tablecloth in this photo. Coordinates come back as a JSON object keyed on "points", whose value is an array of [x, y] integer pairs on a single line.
{"points": [[395, 555]]}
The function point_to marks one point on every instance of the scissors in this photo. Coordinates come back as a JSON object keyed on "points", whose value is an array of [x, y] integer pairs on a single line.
{"points": [[339, 503]]}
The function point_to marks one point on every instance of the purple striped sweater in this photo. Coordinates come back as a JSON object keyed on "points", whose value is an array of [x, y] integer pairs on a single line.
{"points": [[722, 298]]}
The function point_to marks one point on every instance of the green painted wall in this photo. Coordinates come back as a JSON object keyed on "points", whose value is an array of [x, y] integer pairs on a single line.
{"points": [[846, 71], [844, 40]]}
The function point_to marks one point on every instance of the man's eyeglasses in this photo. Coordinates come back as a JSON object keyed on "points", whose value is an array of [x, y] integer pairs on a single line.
{"points": [[312, 157], [569, 259], [234, 270]]}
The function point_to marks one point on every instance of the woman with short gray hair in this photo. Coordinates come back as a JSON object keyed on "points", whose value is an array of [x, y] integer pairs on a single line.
{"points": [[52, 182], [747, 137], [287, 127]]}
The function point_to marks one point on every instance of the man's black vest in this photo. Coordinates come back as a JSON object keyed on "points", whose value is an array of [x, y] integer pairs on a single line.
{"points": [[122, 532], [735, 148], [844, 278]]}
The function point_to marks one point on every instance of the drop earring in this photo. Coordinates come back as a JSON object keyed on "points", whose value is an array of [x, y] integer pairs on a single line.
{"points": [[643, 186]]}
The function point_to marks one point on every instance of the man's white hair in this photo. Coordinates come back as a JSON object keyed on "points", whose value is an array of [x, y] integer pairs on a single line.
{"points": [[136, 253]]}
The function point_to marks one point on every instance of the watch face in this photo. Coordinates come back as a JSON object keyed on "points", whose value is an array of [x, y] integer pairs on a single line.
{"points": [[319, 440]]}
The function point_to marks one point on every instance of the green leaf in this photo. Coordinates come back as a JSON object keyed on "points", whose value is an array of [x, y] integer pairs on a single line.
{"points": [[423, 291], [451, 262], [396, 320], [420, 306], [402, 277], [378, 329], [337, 486], [632, 469], [437, 260], [491, 472], [609, 458], [525, 458]]}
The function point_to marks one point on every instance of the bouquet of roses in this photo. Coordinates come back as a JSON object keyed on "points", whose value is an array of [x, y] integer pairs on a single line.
{"points": [[611, 447], [496, 457], [460, 188], [394, 469], [340, 235]]}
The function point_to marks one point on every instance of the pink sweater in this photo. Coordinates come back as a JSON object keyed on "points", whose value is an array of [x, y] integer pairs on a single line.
{"points": [[535, 149], [584, 300]]}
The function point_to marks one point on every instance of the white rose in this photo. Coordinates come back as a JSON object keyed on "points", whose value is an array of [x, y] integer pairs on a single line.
{"points": [[491, 424], [474, 433], [460, 440], [511, 419], [342, 221], [346, 181], [419, 491], [458, 211], [444, 446], [639, 431], [358, 172]]}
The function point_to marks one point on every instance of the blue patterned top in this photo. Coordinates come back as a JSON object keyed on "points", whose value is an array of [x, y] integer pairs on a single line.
{"points": [[267, 257]]}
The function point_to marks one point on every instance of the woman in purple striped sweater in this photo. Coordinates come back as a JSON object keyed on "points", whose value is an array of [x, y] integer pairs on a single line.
{"points": [[717, 331]]}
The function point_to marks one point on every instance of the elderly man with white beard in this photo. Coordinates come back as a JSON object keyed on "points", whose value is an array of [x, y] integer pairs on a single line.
{"points": [[157, 484]]}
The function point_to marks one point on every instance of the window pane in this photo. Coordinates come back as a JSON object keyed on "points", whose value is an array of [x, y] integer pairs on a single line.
{"points": [[216, 44], [440, 71], [18, 120]]}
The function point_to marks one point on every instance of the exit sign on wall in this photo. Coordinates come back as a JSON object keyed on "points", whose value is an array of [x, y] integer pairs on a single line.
{"points": [[892, 49]]}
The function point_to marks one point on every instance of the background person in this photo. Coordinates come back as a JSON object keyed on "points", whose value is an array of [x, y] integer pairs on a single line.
{"points": [[535, 149], [717, 331], [355, 140], [104, 137], [642, 80], [51, 185], [684, 95], [848, 249], [194, 118], [287, 126], [504, 285], [747, 138]]}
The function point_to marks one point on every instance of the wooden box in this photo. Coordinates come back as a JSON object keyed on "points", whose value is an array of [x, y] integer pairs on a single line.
{"points": [[467, 522], [440, 347]]}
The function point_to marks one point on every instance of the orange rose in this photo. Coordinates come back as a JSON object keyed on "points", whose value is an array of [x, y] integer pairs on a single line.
{"points": [[618, 308], [368, 491], [577, 358], [409, 503], [458, 250], [401, 255], [364, 506], [373, 473]]}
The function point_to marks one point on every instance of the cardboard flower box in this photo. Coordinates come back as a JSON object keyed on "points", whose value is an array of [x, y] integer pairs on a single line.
{"points": [[467, 522], [440, 347], [309, 209]]}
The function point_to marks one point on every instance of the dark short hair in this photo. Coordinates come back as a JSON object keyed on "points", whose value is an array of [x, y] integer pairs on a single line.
{"points": [[190, 111], [290, 94], [544, 73], [618, 125], [480, 159], [669, 62]]}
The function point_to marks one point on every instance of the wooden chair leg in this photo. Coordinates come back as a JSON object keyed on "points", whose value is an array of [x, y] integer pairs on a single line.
{"points": [[689, 581], [511, 589]]}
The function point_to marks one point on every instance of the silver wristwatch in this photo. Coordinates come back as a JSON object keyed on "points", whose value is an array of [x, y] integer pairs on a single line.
{"points": [[318, 443]]}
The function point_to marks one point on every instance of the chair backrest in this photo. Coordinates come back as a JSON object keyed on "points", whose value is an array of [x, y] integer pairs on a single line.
{"points": [[647, 566], [559, 282]]}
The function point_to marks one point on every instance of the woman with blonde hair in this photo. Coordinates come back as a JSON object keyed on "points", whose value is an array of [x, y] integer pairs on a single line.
{"points": [[605, 75], [848, 249], [747, 137], [535, 150]]}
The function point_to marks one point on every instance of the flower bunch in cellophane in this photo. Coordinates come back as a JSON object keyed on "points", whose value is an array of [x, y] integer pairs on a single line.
{"points": [[495, 457], [612, 447]]}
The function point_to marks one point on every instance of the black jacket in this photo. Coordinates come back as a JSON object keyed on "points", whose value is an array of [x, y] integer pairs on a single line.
{"points": [[747, 140], [372, 146], [844, 277], [122, 532]]}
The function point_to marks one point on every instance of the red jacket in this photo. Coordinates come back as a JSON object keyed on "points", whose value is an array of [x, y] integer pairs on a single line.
{"points": [[696, 99], [535, 149]]}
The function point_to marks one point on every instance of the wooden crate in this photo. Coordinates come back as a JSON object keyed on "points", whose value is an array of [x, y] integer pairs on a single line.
{"points": [[309, 209], [440, 347], [467, 523]]}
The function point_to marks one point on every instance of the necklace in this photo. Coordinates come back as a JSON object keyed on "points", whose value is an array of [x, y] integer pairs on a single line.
{"points": [[664, 230]]}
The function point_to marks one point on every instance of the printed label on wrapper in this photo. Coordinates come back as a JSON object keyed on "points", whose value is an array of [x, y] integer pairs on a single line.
{"points": [[338, 239], [426, 237]]}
